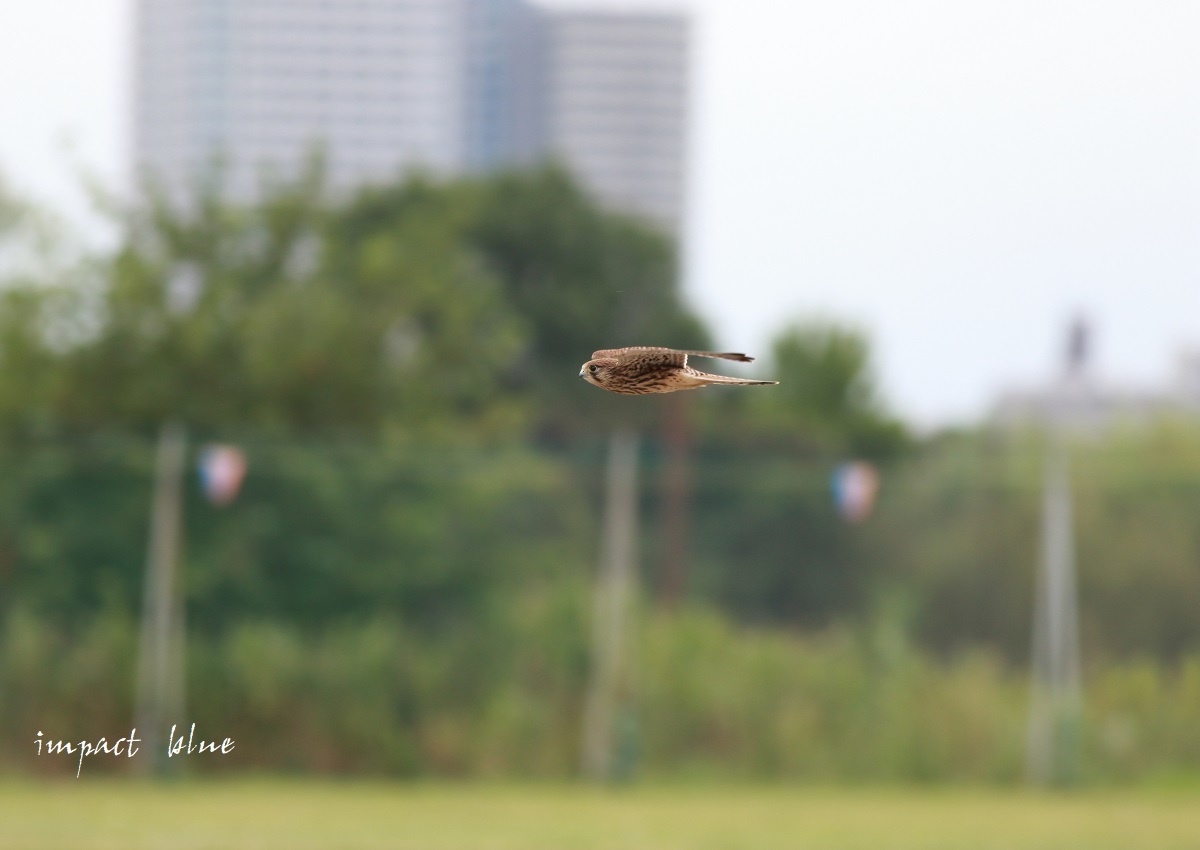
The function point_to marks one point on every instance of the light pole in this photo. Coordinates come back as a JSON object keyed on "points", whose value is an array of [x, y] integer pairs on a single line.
{"points": [[1056, 704], [160, 681], [610, 675]]}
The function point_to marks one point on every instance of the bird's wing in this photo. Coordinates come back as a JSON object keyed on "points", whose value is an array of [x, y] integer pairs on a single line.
{"points": [[724, 355], [644, 355], [647, 355]]}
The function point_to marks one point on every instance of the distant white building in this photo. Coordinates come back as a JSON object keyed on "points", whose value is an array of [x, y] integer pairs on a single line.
{"points": [[385, 86], [1077, 400]]}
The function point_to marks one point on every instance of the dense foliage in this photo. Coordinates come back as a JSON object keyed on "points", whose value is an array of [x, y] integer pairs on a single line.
{"points": [[421, 518], [375, 697]]}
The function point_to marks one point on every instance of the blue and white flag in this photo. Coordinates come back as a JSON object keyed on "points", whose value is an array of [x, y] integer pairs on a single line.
{"points": [[854, 487], [221, 469]]}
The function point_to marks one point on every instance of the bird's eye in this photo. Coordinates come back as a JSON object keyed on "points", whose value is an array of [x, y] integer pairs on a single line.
{"points": [[592, 368]]}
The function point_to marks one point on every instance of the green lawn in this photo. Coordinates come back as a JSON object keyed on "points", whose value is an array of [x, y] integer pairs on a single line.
{"points": [[289, 815]]}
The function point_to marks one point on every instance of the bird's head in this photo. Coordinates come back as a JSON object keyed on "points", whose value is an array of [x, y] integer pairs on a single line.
{"points": [[598, 371]]}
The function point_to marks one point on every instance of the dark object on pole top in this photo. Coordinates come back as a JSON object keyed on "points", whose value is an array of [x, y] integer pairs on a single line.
{"points": [[1079, 344]]}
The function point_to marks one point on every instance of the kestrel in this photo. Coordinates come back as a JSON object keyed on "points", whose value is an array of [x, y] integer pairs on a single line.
{"points": [[641, 370]]}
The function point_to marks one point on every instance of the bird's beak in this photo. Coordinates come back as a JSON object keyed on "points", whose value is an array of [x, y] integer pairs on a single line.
{"points": [[581, 368]]}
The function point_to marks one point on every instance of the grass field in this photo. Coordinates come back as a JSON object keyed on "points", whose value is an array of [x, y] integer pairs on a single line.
{"points": [[295, 814]]}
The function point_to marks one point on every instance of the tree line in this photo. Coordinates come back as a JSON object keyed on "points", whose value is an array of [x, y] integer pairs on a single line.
{"points": [[426, 475], [401, 365]]}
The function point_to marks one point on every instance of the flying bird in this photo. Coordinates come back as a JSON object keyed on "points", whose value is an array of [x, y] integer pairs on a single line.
{"points": [[641, 370]]}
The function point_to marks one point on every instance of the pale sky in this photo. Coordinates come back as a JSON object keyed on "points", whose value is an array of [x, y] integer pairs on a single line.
{"points": [[957, 177]]}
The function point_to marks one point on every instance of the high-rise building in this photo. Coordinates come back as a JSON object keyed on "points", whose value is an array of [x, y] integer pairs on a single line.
{"points": [[502, 84], [384, 86], [615, 105], [260, 83]]}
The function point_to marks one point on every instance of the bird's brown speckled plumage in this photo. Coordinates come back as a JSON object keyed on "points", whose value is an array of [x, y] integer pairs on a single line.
{"points": [[641, 370]]}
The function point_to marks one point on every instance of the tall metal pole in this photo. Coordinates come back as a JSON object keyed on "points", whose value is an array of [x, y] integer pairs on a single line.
{"points": [[614, 596], [676, 486], [1055, 711], [160, 681]]}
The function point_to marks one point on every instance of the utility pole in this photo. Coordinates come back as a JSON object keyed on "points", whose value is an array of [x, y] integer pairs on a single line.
{"points": [[1055, 712], [676, 486], [160, 682], [1056, 704], [611, 676]]}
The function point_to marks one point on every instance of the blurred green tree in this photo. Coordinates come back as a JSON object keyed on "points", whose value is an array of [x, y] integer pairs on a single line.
{"points": [[771, 546], [828, 391], [43, 296], [419, 314], [960, 532], [412, 305], [284, 316]]}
